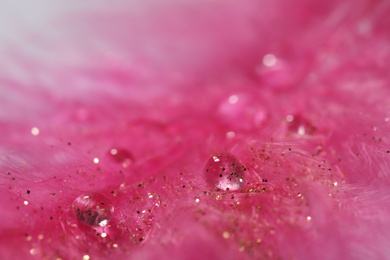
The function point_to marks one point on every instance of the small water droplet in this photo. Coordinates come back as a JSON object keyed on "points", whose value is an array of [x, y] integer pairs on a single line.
{"points": [[298, 125], [224, 171], [121, 156], [93, 209]]}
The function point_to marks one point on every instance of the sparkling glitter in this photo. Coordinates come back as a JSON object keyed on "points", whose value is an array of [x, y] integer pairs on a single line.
{"points": [[197, 200], [86, 257], [35, 131], [28, 238], [96, 160], [308, 218], [33, 251], [40, 237], [269, 60], [25, 202], [103, 235], [226, 235], [258, 241], [335, 183], [115, 245]]}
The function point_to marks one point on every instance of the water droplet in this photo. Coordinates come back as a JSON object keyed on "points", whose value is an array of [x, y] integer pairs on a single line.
{"points": [[280, 73], [224, 171], [121, 156], [298, 125], [269, 60], [93, 209], [241, 111]]}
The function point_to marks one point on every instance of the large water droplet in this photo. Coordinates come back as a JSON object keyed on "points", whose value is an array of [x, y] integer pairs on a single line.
{"points": [[224, 171], [121, 156], [93, 209]]}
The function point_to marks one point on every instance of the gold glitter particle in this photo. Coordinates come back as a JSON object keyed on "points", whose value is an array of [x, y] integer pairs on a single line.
{"points": [[35, 131], [226, 235]]}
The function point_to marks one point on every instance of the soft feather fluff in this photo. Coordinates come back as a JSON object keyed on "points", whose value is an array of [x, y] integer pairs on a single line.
{"points": [[131, 100]]}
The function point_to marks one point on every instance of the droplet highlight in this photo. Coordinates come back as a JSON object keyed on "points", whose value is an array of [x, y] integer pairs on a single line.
{"points": [[93, 209], [224, 171]]}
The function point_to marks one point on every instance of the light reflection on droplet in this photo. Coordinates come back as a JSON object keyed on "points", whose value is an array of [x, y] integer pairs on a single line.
{"points": [[35, 131], [233, 99], [289, 118], [226, 235], [230, 134], [269, 60], [103, 223]]}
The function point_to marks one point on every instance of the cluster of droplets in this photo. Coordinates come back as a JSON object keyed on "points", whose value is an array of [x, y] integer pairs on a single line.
{"points": [[224, 171]]}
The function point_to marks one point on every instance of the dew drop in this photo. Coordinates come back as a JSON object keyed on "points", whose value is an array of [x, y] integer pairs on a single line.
{"points": [[224, 171], [298, 125], [121, 156], [93, 209]]}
